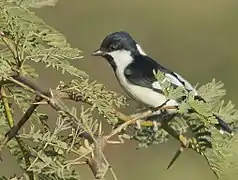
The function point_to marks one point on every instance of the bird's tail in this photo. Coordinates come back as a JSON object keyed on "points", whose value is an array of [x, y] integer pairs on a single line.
{"points": [[222, 125]]}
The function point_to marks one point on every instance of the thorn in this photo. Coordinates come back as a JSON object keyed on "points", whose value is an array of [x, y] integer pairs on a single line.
{"points": [[100, 128], [121, 141], [125, 136], [175, 157], [115, 142], [51, 93], [155, 126], [41, 103], [138, 124], [120, 138]]}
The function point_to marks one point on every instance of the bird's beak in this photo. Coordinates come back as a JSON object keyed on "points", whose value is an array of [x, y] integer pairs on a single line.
{"points": [[98, 52]]}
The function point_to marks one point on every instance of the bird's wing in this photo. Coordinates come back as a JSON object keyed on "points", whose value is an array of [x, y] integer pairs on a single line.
{"points": [[140, 73], [177, 80]]}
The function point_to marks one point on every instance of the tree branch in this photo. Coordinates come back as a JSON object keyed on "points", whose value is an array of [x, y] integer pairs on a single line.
{"points": [[54, 100], [19, 141], [14, 129], [42, 94]]}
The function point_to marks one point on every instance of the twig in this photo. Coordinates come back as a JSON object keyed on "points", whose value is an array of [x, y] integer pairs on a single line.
{"points": [[56, 103], [40, 95], [12, 47], [30, 86], [137, 117], [14, 129], [7, 108], [19, 141], [113, 174], [131, 119]]}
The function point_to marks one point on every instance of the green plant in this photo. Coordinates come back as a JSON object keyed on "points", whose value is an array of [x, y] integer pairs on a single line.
{"points": [[44, 152]]}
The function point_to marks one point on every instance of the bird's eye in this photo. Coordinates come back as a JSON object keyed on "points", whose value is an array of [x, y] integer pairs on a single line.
{"points": [[113, 47]]}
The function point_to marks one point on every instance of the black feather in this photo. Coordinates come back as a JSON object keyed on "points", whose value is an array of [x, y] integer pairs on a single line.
{"points": [[221, 124], [140, 72]]}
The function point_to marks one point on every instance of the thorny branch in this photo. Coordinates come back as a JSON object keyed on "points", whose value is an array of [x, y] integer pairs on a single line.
{"points": [[11, 124], [54, 99]]}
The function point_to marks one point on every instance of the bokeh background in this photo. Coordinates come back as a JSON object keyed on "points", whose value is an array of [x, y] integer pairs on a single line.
{"points": [[197, 39]]}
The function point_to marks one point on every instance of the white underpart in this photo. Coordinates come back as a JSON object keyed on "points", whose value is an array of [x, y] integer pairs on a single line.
{"points": [[140, 50], [145, 95]]}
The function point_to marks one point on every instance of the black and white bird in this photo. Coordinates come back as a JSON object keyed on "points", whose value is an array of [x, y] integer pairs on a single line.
{"points": [[134, 70]]}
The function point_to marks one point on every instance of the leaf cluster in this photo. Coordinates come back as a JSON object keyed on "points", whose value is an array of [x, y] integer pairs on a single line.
{"points": [[46, 152]]}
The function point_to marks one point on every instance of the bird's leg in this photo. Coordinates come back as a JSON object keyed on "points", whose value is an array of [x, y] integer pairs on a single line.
{"points": [[159, 107], [41, 103], [169, 107], [164, 107]]}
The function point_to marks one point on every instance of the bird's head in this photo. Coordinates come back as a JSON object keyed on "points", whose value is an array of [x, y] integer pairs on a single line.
{"points": [[119, 48]]}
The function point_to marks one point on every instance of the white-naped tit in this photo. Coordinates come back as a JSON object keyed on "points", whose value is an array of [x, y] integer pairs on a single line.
{"points": [[134, 70]]}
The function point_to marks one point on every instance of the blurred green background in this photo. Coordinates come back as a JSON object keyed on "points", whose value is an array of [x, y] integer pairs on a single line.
{"points": [[197, 39]]}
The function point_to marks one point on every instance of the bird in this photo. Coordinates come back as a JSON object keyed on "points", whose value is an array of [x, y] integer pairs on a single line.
{"points": [[134, 70]]}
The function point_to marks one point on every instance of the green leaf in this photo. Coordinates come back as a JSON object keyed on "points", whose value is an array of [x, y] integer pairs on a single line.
{"points": [[35, 3]]}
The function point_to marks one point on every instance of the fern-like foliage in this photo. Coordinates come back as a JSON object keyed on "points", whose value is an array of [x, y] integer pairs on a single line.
{"points": [[25, 38], [218, 148], [46, 152], [35, 3], [96, 94], [49, 150], [34, 40]]}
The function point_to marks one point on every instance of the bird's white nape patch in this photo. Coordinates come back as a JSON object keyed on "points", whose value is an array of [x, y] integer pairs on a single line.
{"points": [[140, 50], [122, 58]]}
